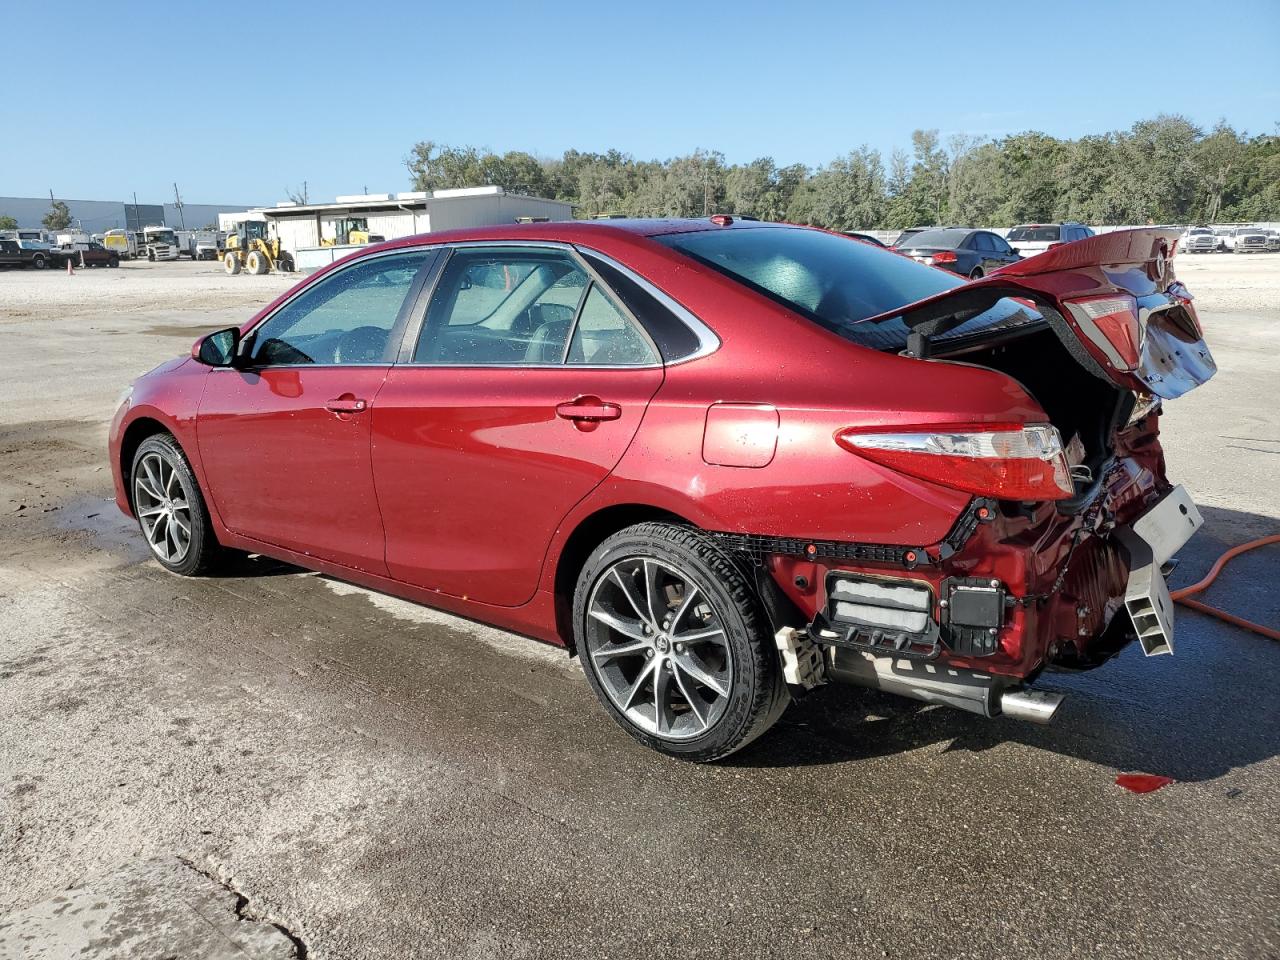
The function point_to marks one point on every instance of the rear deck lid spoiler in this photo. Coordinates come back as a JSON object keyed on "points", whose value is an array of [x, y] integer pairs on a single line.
{"points": [[1112, 299]]}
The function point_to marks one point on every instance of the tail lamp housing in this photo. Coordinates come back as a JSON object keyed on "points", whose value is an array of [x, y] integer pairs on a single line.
{"points": [[1005, 461], [1111, 323]]}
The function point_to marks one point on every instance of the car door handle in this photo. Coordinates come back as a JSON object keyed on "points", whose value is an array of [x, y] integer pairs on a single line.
{"points": [[588, 409], [346, 404]]}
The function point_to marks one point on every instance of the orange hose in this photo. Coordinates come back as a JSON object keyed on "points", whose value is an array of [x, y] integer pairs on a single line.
{"points": [[1184, 595]]}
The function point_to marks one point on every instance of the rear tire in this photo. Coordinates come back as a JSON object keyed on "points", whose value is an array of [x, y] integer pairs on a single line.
{"points": [[977, 274], [674, 643], [170, 509], [232, 264], [256, 263]]}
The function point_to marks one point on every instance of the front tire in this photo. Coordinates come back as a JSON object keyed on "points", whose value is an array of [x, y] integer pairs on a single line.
{"points": [[39, 262], [232, 264], [170, 509], [674, 644], [256, 263]]}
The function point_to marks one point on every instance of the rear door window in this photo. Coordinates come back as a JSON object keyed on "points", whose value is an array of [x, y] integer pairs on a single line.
{"points": [[1036, 234]]}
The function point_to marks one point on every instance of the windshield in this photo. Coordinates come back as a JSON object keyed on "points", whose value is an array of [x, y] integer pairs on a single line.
{"points": [[834, 281], [160, 236], [938, 238], [1036, 234]]}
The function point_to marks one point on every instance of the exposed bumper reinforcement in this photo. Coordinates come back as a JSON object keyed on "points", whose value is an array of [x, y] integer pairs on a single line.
{"points": [[1151, 542]]}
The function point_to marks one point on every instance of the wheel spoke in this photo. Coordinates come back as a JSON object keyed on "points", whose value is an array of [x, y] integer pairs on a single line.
{"points": [[651, 590], [150, 511], [144, 484], [699, 674], [153, 478], [638, 684], [696, 704], [699, 636], [661, 698], [173, 478], [690, 593], [631, 599], [628, 628], [184, 526]]}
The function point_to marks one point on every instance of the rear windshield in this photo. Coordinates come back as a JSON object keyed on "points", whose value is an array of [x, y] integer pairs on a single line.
{"points": [[834, 281], [937, 238], [1036, 234]]}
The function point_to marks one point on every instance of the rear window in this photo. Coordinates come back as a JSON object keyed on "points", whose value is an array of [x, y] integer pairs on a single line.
{"points": [[1036, 234], [938, 238], [834, 281]]}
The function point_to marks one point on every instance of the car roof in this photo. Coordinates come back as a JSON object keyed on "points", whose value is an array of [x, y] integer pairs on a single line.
{"points": [[573, 231]]}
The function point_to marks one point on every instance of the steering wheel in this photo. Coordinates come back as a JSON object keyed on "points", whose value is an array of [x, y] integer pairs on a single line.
{"points": [[361, 345]]}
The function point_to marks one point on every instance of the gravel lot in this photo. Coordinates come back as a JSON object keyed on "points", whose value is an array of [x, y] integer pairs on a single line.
{"points": [[381, 780]]}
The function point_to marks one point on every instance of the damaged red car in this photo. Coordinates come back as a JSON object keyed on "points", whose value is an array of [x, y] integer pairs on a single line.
{"points": [[720, 461]]}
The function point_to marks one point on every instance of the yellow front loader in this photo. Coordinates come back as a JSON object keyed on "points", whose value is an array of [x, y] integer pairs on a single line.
{"points": [[349, 230], [251, 249]]}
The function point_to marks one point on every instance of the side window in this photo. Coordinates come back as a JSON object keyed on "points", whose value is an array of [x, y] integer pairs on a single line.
{"points": [[605, 336], [344, 318], [502, 306], [998, 244], [982, 241]]}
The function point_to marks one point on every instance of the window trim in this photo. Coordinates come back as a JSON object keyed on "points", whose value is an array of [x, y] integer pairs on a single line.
{"points": [[389, 352], [416, 326]]}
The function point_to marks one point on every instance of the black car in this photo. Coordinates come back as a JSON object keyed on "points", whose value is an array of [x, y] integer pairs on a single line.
{"points": [[970, 253]]}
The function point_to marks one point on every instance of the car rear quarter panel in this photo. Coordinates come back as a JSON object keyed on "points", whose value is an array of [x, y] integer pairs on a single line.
{"points": [[819, 384]]}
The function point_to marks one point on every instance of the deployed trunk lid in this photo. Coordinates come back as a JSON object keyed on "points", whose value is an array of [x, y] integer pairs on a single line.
{"points": [[1111, 299]]}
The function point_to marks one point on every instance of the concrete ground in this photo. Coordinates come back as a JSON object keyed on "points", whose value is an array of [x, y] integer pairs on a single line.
{"points": [[372, 779]]}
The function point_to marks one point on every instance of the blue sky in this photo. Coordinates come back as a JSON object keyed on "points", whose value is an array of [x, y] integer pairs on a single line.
{"points": [[238, 108]]}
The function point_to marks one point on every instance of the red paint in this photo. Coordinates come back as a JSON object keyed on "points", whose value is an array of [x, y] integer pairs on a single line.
{"points": [[1142, 782], [461, 487]]}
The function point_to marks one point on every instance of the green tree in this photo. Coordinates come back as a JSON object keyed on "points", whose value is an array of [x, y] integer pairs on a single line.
{"points": [[8, 223], [58, 217]]}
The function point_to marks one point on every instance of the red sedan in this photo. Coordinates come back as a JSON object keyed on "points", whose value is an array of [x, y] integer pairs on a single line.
{"points": [[721, 462]]}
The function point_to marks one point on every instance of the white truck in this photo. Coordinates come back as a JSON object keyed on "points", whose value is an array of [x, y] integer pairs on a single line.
{"points": [[157, 243], [201, 244]]}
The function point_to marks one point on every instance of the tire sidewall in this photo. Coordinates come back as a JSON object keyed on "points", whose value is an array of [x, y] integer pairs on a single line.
{"points": [[751, 670], [168, 448]]}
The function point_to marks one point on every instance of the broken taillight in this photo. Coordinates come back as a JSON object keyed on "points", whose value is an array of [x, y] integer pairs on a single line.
{"points": [[1008, 462], [1115, 317]]}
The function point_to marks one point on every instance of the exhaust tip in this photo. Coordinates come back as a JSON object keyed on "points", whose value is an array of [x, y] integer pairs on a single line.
{"points": [[1037, 706]]}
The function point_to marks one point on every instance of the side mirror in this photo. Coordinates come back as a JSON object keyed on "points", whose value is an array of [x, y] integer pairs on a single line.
{"points": [[217, 349]]}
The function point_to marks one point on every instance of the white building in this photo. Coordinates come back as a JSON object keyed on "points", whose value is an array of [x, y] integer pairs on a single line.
{"points": [[309, 231]]}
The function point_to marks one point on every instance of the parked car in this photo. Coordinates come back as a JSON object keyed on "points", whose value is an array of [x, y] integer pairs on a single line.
{"points": [[1273, 241], [91, 254], [14, 254], [910, 232], [970, 253], [1032, 238], [645, 441], [1248, 240], [1198, 240]]}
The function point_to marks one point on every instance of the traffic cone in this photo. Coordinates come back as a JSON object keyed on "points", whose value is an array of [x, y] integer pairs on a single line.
{"points": [[70, 272]]}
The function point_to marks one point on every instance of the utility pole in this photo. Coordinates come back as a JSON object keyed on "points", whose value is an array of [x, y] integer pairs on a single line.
{"points": [[137, 224], [177, 202]]}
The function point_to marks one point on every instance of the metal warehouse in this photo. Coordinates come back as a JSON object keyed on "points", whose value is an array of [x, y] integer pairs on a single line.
{"points": [[314, 233]]}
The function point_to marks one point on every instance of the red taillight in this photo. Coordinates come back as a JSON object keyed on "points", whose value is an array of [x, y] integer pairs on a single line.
{"points": [[1115, 318], [944, 256], [1008, 462]]}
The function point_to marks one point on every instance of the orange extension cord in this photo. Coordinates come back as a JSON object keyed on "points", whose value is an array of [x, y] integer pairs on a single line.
{"points": [[1183, 596]]}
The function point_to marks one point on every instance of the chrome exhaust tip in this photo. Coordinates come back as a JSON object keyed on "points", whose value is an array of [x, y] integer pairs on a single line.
{"points": [[1037, 706]]}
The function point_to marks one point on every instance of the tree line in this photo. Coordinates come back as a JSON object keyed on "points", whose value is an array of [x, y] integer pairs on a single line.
{"points": [[1163, 170]]}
